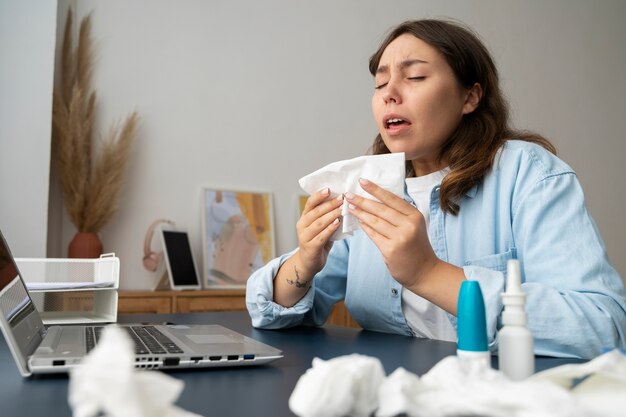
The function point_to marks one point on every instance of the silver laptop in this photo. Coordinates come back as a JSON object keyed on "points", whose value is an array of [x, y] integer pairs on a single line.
{"points": [[37, 349]]}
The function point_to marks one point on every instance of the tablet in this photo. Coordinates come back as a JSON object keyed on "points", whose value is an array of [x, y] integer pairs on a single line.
{"points": [[179, 260]]}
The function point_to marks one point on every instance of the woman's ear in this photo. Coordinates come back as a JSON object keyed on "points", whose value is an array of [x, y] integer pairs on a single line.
{"points": [[472, 98]]}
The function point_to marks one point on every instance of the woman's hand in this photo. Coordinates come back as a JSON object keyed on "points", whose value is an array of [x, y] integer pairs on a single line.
{"points": [[320, 219], [399, 231]]}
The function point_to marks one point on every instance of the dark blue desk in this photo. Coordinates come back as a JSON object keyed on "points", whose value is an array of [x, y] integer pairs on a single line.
{"points": [[255, 391]]}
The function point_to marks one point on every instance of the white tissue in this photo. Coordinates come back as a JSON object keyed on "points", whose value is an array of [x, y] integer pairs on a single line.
{"points": [[343, 386], [107, 382], [340, 177], [599, 384], [451, 388]]}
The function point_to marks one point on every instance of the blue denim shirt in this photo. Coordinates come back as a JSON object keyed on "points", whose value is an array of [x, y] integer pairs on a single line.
{"points": [[530, 206]]}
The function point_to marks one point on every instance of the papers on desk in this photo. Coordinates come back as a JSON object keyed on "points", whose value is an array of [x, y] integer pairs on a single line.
{"points": [[58, 286], [452, 388]]}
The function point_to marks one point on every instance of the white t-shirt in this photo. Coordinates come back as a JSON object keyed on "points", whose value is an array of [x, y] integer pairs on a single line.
{"points": [[423, 317]]}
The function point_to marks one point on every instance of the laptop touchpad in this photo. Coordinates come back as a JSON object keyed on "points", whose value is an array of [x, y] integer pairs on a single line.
{"points": [[203, 339]]}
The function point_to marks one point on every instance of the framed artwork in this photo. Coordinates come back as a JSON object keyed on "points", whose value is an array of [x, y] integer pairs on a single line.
{"points": [[302, 198], [238, 235]]}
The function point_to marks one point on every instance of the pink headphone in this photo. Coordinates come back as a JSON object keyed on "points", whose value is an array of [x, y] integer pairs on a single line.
{"points": [[150, 258]]}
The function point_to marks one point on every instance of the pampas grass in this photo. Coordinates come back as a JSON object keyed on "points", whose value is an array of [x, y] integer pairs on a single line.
{"points": [[91, 182]]}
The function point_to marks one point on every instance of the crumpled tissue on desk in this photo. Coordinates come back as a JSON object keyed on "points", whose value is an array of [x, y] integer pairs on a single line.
{"points": [[600, 384], [455, 387], [343, 386], [387, 171], [107, 384]]}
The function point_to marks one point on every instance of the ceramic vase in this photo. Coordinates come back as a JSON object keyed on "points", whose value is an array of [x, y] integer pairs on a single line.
{"points": [[85, 245]]}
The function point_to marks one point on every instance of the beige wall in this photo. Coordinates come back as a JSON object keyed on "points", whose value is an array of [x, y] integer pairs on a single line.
{"points": [[27, 39], [252, 95]]}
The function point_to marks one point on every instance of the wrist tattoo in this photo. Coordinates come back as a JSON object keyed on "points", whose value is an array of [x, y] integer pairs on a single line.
{"points": [[297, 282]]}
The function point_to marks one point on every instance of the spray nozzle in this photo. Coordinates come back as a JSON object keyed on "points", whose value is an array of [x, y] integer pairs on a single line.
{"points": [[514, 298], [513, 278]]}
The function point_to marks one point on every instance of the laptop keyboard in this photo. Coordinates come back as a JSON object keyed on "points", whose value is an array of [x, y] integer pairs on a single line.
{"points": [[147, 339], [92, 334]]}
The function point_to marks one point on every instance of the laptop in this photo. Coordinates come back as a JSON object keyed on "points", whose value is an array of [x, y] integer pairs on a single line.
{"points": [[56, 349]]}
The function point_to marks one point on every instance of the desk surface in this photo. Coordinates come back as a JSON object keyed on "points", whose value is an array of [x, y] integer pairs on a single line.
{"points": [[251, 391]]}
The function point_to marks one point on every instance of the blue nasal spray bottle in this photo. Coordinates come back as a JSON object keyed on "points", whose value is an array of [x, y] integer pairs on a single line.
{"points": [[472, 325]]}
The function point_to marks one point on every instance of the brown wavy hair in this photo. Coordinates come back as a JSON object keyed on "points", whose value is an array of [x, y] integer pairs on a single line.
{"points": [[471, 149]]}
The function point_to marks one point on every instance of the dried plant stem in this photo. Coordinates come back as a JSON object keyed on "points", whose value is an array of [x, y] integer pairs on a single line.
{"points": [[91, 185], [102, 195]]}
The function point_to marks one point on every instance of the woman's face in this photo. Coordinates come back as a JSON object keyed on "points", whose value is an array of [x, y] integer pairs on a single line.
{"points": [[417, 103]]}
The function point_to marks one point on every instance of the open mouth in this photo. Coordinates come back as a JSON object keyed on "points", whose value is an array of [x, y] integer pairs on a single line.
{"points": [[394, 123]]}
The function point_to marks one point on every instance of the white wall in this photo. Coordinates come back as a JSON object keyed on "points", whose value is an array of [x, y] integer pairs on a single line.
{"points": [[253, 95], [27, 39]]}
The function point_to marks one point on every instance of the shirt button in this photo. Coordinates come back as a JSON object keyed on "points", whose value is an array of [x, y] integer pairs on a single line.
{"points": [[394, 292]]}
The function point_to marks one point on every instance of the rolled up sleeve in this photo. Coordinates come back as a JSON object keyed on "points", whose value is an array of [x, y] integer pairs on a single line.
{"points": [[264, 312]]}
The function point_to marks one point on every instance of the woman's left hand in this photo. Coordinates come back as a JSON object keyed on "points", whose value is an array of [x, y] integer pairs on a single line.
{"points": [[399, 231]]}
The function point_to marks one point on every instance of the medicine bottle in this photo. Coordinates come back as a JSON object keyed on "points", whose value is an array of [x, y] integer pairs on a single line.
{"points": [[516, 357], [472, 348]]}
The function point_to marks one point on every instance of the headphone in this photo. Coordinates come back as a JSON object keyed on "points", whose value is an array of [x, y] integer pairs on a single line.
{"points": [[150, 258]]}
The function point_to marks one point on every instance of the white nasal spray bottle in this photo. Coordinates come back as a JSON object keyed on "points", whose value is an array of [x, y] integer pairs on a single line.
{"points": [[516, 358]]}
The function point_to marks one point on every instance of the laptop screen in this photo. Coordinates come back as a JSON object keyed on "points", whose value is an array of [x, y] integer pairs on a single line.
{"points": [[19, 318]]}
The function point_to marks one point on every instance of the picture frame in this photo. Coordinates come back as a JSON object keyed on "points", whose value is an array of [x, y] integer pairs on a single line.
{"points": [[302, 199], [238, 235]]}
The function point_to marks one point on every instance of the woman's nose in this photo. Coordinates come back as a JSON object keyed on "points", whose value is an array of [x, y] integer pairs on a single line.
{"points": [[392, 93]]}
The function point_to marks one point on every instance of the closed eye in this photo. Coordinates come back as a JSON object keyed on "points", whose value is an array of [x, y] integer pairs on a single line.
{"points": [[379, 86]]}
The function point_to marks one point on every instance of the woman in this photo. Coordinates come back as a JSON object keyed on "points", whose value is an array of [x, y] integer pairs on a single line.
{"points": [[478, 194]]}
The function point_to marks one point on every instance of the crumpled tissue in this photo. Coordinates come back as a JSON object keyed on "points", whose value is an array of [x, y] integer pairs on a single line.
{"points": [[340, 177], [107, 383], [343, 386], [451, 388], [457, 387], [600, 384]]}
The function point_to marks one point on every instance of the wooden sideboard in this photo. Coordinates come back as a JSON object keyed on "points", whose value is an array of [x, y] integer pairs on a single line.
{"points": [[195, 301], [192, 301]]}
